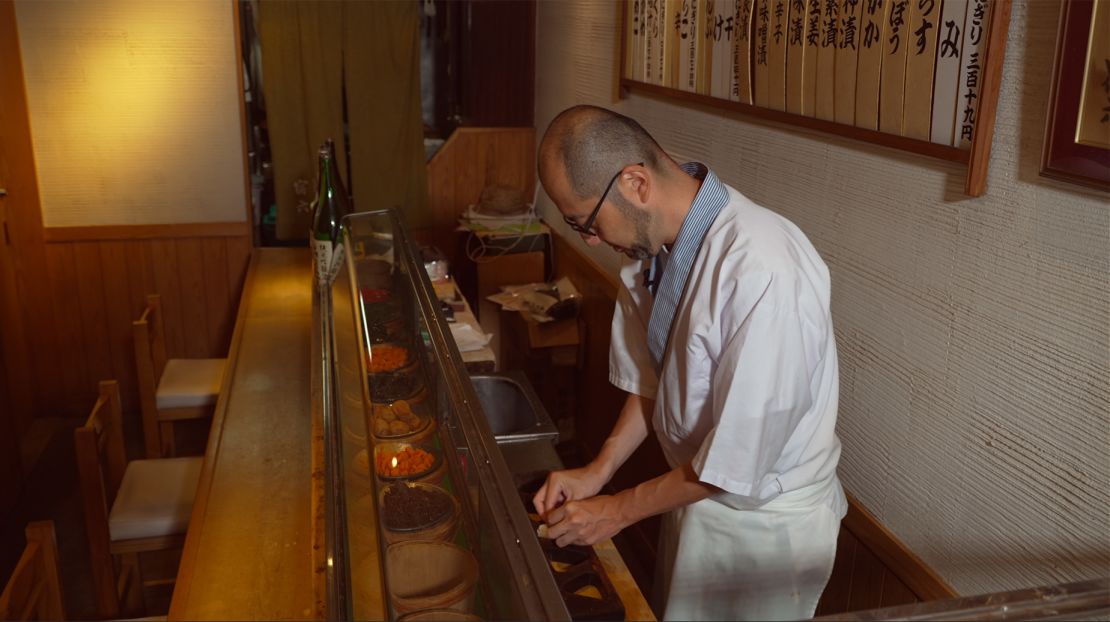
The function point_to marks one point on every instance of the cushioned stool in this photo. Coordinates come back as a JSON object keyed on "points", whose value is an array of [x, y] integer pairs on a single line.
{"points": [[130, 507], [169, 389]]}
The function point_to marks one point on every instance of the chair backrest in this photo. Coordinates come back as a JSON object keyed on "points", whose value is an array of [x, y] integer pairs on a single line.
{"points": [[101, 461], [34, 591], [150, 361]]}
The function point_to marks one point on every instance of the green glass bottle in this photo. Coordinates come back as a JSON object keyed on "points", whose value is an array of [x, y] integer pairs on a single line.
{"points": [[331, 205]]}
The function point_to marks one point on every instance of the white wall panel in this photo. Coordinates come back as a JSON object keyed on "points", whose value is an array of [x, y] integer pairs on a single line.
{"points": [[134, 110]]}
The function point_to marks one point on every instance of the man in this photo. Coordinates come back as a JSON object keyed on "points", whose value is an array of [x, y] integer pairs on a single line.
{"points": [[723, 339]]}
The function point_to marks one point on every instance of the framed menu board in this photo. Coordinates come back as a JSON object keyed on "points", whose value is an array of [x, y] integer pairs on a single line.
{"points": [[917, 75], [1077, 134]]}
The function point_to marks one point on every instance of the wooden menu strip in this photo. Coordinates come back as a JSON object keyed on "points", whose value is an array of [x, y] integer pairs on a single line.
{"points": [[922, 147], [979, 161]]}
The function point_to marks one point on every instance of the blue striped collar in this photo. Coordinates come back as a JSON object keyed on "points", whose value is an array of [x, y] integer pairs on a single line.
{"points": [[710, 199]]}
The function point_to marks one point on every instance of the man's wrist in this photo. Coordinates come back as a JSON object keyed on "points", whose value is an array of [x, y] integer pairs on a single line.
{"points": [[626, 507], [602, 468]]}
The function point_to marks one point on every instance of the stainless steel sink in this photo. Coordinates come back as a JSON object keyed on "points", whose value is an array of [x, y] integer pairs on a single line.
{"points": [[514, 413]]}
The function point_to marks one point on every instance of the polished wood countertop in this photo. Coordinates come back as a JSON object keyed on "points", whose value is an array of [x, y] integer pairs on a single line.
{"points": [[253, 549]]}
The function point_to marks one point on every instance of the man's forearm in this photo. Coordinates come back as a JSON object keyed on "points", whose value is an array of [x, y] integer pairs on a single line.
{"points": [[630, 430], [673, 489]]}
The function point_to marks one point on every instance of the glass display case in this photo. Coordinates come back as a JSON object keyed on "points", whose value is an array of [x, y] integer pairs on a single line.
{"points": [[423, 519]]}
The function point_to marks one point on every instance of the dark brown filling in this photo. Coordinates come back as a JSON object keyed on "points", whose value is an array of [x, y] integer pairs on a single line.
{"points": [[413, 507]]}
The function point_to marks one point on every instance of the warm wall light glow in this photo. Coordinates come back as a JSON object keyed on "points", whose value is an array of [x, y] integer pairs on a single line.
{"points": [[393, 462], [134, 110]]}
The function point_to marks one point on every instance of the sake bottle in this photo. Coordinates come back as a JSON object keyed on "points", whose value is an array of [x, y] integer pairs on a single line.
{"points": [[332, 204]]}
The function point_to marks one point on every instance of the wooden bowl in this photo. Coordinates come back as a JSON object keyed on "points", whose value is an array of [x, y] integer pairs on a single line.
{"points": [[425, 574]]}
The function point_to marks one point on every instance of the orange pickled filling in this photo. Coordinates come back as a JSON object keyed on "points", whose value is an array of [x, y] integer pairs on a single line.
{"points": [[387, 357], [408, 461]]}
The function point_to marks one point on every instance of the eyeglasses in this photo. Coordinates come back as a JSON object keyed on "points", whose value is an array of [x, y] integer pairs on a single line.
{"points": [[587, 228]]}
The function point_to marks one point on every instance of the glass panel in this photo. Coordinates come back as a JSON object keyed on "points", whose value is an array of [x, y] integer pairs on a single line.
{"points": [[424, 488]]}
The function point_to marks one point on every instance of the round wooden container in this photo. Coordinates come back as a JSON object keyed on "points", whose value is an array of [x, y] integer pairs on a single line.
{"points": [[358, 473], [440, 615], [433, 475], [430, 575], [354, 430], [360, 528], [441, 529]]}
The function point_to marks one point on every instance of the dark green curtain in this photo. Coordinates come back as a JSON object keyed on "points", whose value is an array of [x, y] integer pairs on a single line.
{"points": [[313, 52]]}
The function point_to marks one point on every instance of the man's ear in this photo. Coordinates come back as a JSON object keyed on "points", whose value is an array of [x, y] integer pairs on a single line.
{"points": [[638, 183]]}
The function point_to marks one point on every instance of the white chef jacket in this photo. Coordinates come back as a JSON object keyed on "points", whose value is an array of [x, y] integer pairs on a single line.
{"points": [[747, 392]]}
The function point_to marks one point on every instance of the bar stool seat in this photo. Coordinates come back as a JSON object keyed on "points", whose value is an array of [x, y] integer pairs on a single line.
{"points": [[155, 498], [130, 507], [170, 390], [189, 383]]}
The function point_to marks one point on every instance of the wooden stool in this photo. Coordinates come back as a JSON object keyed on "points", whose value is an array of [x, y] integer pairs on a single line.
{"points": [[130, 507], [34, 591], [169, 389]]}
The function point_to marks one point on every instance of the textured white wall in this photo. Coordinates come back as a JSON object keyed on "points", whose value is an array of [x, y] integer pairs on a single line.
{"points": [[134, 110], [973, 333]]}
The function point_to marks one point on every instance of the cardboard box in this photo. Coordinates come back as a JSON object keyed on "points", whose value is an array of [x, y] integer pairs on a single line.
{"points": [[550, 334]]}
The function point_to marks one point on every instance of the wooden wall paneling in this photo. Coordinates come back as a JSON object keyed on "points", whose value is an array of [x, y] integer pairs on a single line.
{"points": [[219, 309], [71, 374], [239, 251], [838, 591], [194, 307], [895, 592], [867, 580], [117, 307], [498, 65], [470, 168], [140, 280], [32, 354], [17, 395], [147, 232], [91, 284], [163, 257], [441, 186], [904, 563]]}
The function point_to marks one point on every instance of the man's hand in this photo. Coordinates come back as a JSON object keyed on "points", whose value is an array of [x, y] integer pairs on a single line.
{"points": [[564, 486], [586, 522]]}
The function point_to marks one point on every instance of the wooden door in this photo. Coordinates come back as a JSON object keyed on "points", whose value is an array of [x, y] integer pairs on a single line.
{"points": [[22, 258]]}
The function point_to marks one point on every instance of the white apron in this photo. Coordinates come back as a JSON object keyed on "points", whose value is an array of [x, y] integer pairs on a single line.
{"points": [[771, 563]]}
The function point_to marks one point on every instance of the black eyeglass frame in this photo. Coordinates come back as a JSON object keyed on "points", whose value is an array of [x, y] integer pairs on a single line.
{"points": [[587, 227]]}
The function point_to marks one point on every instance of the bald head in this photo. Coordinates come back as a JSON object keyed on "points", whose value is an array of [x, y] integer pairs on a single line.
{"points": [[590, 144]]}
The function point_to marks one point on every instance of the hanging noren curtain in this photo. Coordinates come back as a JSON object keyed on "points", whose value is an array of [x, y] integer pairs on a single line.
{"points": [[312, 54]]}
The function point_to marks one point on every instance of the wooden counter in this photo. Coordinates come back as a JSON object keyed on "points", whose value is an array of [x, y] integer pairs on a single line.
{"points": [[255, 546], [249, 552]]}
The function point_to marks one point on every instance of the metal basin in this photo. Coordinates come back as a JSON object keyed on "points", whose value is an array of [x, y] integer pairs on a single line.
{"points": [[514, 413]]}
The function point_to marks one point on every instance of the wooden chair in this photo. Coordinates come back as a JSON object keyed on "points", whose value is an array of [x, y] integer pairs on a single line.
{"points": [[34, 591], [169, 389], [130, 507]]}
